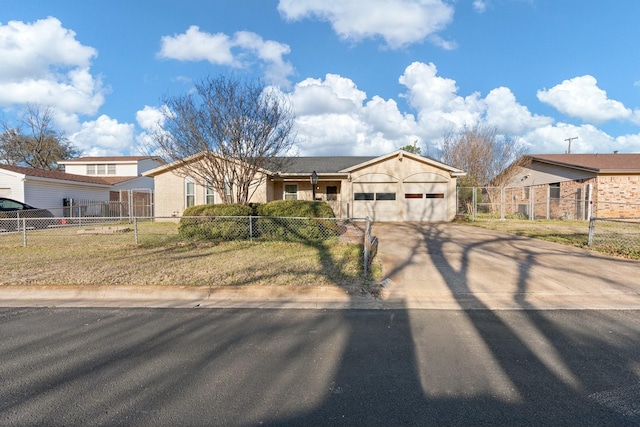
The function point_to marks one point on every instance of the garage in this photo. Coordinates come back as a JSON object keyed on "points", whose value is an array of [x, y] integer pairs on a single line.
{"points": [[402, 187], [378, 201], [424, 201]]}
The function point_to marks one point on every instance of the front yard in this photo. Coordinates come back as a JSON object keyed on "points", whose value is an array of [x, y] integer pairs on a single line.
{"points": [[163, 258]]}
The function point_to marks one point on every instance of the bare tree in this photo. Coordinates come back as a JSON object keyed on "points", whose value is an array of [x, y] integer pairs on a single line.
{"points": [[225, 132], [481, 152], [35, 142]]}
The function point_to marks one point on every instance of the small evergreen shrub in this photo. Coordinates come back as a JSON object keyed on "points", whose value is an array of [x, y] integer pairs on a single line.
{"points": [[296, 208], [272, 226], [218, 222]]}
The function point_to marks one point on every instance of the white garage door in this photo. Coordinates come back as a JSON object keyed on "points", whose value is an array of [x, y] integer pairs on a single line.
{"points": [[425, 201], [378, 201]]}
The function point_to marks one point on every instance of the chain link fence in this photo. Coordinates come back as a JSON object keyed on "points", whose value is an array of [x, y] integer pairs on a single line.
{"points": [[615, 235], [523, 203]]}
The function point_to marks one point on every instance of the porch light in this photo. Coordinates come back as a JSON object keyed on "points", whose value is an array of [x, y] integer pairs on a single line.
{"points": [[314, 182]]}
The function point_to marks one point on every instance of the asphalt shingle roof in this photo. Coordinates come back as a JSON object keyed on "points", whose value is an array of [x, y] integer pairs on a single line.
{"points": [[595, 162], [40, 173], [332, 164], [107, 159]]}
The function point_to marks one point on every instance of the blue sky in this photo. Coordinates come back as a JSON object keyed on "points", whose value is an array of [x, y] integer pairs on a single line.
{"points": [[365, 76]]}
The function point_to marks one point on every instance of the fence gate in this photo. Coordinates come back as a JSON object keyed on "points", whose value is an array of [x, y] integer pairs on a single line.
{"points": [[137, 202]]}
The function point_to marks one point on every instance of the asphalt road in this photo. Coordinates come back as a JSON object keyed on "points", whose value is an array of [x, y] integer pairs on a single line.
{"points": [[157, 367]]}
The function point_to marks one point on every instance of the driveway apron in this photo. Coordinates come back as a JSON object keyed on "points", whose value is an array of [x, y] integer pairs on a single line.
{"points": [[449, 266]]}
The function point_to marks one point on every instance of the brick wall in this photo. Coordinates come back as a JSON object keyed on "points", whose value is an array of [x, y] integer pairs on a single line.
{"points": [[617, 196]]}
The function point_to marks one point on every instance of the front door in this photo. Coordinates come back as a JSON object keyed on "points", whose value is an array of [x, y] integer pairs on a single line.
{"points": [[331, 192]]}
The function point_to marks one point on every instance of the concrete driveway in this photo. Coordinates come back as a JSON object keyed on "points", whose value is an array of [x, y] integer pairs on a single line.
{"points": [[451, 266]]}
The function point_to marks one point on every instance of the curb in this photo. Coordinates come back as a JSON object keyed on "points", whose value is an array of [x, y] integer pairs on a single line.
{"points": [[185, 297]]}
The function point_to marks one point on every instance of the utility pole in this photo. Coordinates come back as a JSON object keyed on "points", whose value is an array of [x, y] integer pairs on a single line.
{"points": [[569, 140]]}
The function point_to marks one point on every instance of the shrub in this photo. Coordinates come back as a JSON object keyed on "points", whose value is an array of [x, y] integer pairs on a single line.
{"points": [[271, 226], [218, 222], [231, 222], [296, 208], [218, 210]]}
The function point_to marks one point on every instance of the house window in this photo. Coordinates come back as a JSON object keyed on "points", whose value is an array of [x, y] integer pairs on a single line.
{"points": [[434, 196], [101, 169], [111, 169], [363, 196], [189, 193], [209, 194], [413, 196], [291, 192], [332, 193], [91, 169], [385, 196], [554, 190]]}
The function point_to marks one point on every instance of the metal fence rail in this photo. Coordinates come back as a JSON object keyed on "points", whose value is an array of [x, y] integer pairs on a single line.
{"points": [[618, 235]]}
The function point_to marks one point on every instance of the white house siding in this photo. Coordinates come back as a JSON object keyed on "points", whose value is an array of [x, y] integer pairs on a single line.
{"points": [[123, 168], [11, 185], [135, 184], [49, 194]]}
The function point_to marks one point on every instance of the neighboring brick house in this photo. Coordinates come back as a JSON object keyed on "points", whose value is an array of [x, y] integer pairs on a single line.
{"points": [[575, 186], [399, 186]]}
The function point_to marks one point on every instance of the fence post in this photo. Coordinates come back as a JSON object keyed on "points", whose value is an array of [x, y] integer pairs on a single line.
{"points": [[250, 228], [502, 203], [592, 226], [474, 202], [24, 232], [367, 243], [135, 229]]}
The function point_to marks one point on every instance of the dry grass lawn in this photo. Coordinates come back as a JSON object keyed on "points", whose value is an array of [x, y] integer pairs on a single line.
{"points": [[67, 258], [575, 233]]}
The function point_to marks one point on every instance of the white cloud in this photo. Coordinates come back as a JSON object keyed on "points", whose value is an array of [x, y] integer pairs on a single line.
{"points": [[552, 139], [504, 112], [333, 119], [582, 98], [104, 137], [398, 22], [237, 51], [150, 118], [436, 100], [480, 6], [628, 143], [335, 94], [43, 63]]}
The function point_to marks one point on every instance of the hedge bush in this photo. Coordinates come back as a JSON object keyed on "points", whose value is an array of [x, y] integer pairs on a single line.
{"points": [[234, 224], [231, 222], [296, 208], [314, 229], [219, 210]]}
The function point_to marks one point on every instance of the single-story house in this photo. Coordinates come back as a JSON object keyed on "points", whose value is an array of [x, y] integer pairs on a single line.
{"points": [[86, 180], [399, 186], [576, 186]]}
